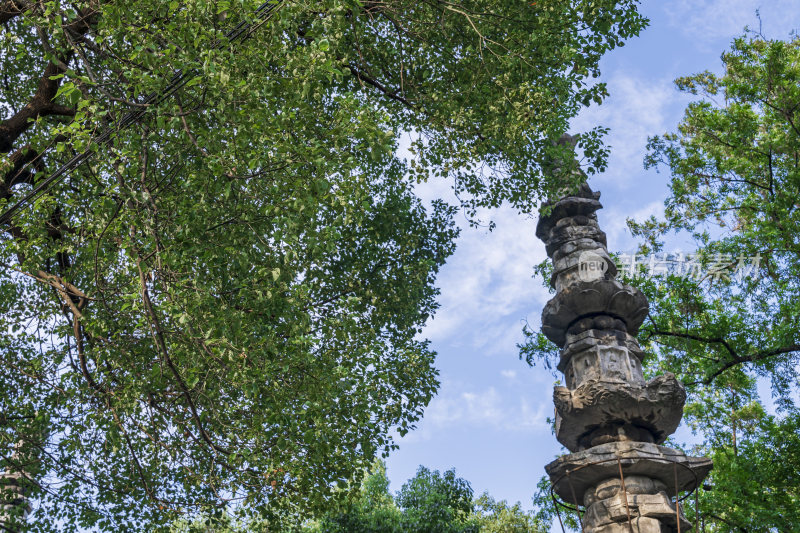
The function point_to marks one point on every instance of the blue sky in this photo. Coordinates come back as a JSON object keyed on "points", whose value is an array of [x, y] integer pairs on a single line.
{"points": [[489, 418]]}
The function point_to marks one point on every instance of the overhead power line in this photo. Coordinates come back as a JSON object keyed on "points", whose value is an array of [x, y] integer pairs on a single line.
{"points": [[239, 33]]}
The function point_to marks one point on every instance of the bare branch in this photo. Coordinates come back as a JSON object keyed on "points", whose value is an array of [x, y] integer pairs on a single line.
{"points": [[162, 346], [735, 358], [362, 77], [12, 8], [41, 104]]}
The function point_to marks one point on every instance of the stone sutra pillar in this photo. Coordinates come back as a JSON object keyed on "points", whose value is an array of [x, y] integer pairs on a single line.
{"points": [[607, 415]]}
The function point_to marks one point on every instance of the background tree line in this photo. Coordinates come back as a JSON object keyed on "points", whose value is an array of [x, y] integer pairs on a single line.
{"points": [[430, 502]]}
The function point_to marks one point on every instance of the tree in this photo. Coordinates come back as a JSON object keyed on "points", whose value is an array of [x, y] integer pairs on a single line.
{"points": [[218, 308], [372, 510], [436, 503], [754, 484], [430, 502], [734, 165], [735, 176], [499, 517]]}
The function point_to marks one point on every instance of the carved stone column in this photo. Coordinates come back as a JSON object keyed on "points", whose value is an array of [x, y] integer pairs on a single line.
{"points": [[607, 415]]}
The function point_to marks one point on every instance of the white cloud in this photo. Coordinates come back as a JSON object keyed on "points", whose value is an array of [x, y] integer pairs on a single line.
{"points": [[709, 20], [636, 109], [485, 408], [487, 286], [614, 223], [508, 374]]}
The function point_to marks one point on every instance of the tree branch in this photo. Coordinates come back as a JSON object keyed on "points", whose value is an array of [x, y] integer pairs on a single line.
{"points": [[378, 85], [162, 345], [18, 173], [11, 8], [758, 356], [736, 358], [41, 104]]}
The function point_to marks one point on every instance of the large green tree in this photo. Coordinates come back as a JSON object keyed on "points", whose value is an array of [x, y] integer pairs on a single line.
{"points": [[731, 319], [735, 166], [218, 309], [371, 509], [436, 503]]}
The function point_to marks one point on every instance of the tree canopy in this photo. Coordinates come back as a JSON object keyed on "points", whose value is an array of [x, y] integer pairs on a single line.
{"points": [[735, 177], [219, 308], [430, 502]]}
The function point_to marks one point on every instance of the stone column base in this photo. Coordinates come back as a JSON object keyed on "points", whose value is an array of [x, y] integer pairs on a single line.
{"points": [[637, 525], [614, 511]]}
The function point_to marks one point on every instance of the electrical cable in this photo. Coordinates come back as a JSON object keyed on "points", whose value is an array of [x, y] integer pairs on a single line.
{"points": [[240, 32]]}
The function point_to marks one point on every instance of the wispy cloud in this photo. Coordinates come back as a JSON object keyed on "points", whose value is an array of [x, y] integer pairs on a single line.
{"points": [[636, 109], [710, 20], [614, 223], [487, 286], [487, 408]]}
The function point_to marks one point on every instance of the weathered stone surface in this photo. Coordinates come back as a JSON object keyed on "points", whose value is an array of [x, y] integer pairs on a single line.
{"points": [[613, 510], [568, 269], [604, 323], [633, 485], [584, 201], [578, 246], [602, 362], [586, 299], [569, 232], [573, 474], [14, 504], [584, 204], [656, 408], [598, 331], [638, 525]]}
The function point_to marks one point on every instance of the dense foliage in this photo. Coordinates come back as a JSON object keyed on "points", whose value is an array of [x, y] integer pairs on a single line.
{"points": [[430, 502], [732, 321], [735, 164], [218, 309]]}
